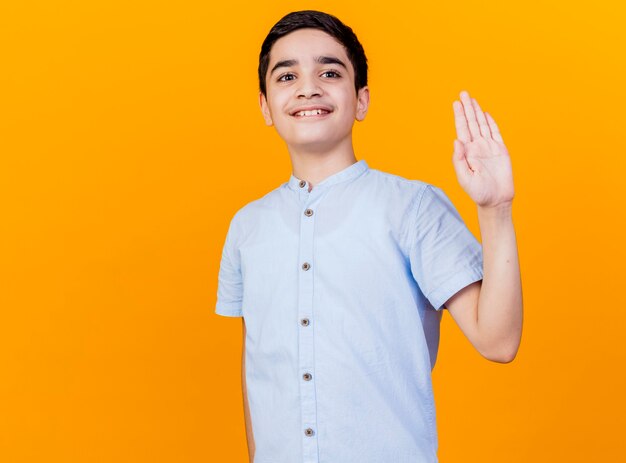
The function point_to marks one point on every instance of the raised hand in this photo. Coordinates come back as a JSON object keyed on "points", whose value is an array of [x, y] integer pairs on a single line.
{"points": [[481, 161]]}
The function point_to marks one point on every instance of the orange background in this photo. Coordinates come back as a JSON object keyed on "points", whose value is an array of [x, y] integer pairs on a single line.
{"points": [[129, 136]]}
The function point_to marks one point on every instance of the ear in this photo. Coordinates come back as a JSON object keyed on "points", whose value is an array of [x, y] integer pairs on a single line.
{"points": [[265, 109], [363, 102]]}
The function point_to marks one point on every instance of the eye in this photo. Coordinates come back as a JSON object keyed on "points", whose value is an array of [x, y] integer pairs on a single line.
{"points": [[286, 77], [331, 73]]}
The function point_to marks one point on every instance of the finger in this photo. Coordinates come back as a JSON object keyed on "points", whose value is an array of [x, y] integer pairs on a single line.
{"points": [[459, 160], [482, 122], [495, 132], [462, 131], [470, 115], [459, 151], [458, 157]]}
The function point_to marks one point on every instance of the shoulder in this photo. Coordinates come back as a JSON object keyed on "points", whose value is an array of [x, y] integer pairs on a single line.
{"points": [[390, 179], [420, 200], [253, 210], [395, 185]]}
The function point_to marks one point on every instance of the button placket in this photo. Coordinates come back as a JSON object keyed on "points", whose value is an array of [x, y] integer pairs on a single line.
{"points": [[306, 328], [304, 192]]}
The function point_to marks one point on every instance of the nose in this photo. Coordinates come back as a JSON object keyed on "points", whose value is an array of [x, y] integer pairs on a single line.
{"points": [[309, 88]]}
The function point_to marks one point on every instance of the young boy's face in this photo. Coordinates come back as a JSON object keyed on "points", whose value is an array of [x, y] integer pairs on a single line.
{"points": [[310, 71]]}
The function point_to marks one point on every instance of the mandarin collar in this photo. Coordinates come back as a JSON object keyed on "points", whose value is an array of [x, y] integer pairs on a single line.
{"points": [[347, 173]]}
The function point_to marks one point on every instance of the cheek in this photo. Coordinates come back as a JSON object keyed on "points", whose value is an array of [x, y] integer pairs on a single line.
{"points": [[349, 100], [349, 108], [279, 108]]}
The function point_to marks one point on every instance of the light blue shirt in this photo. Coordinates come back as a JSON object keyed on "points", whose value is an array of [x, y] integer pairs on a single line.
{"points": [[341, 289]]}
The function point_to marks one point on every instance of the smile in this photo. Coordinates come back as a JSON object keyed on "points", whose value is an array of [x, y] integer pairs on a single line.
{"points": [[311, 113]]}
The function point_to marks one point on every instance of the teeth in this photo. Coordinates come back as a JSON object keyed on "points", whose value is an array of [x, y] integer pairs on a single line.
{"points": [[314, 112]]}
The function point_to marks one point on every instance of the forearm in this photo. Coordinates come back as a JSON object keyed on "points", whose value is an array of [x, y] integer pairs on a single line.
{"points": [[499, 317]]}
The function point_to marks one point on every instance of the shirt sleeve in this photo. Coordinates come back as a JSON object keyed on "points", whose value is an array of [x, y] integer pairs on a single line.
{"points": [[444, 255], [230, 284]]}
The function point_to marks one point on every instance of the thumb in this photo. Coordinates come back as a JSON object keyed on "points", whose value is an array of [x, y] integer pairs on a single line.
{"points": [[459, 151], [458, 157], [458, 160]]}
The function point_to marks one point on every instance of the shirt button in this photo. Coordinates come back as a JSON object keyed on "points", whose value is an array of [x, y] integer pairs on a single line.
{"points": [[306, 266], [308, 212], [307, 376], [302, 184], [304, 322], [309, 432]]}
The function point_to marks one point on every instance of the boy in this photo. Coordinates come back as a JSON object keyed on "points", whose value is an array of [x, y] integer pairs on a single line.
{"points": [[340, 273]]}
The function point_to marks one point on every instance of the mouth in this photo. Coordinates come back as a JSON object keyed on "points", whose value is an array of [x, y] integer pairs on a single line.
{"points": [[312, 112]]}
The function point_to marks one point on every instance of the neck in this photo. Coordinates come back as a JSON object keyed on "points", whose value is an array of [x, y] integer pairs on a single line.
{"points": [[315, 164]]}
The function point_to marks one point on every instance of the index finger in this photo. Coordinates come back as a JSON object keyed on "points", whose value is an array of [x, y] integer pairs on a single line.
{"points": [[470, 115], [460, 121]]}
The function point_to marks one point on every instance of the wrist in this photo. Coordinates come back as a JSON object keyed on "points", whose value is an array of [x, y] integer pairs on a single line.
{"points": [[502, 211]]}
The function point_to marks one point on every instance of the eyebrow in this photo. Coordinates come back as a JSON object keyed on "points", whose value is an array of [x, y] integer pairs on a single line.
{"points": [[287, 63]]}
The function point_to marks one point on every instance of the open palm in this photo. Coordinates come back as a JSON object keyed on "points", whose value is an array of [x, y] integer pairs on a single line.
{"points": [[481, 161]]}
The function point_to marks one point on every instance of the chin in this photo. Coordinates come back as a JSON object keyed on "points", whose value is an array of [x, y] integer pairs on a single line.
{"points": [[313, 144], [310, 138]]}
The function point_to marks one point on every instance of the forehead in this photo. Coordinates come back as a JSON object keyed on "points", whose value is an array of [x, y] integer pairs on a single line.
{"points": [[305, 44]]}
